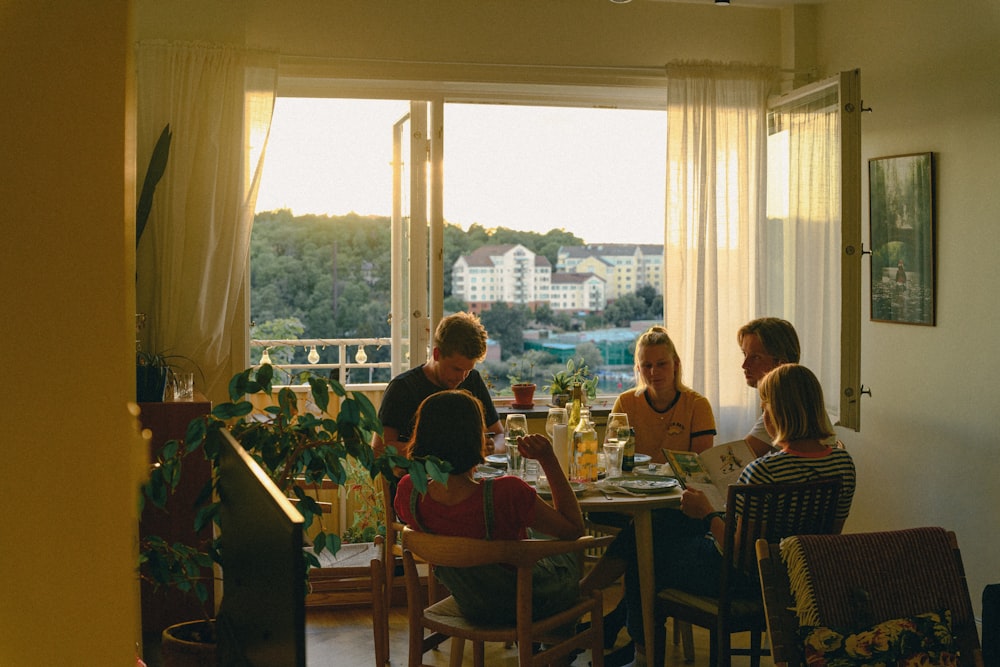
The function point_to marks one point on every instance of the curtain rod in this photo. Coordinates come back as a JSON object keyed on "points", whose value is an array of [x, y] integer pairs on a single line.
{"points": [[646, 70]]}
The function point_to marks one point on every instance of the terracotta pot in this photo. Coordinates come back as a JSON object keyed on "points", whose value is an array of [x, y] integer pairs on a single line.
{"points": [[524, 396], [190, 644]]}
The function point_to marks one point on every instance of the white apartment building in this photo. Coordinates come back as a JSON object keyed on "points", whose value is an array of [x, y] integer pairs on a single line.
{"points": [[509, 273]]}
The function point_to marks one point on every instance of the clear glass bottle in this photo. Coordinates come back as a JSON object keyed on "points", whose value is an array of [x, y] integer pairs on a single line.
{"points": [[585, 449]]}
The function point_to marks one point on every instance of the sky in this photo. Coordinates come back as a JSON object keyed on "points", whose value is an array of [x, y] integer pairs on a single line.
{"points": [[599, 173]]}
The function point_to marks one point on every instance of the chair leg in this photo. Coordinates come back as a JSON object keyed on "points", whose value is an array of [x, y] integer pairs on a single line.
{"points": [[380, 614], [755, 651], [687, 637], [479, 654], [457, 651]]}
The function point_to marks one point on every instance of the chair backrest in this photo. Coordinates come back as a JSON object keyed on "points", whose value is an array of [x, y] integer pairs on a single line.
{"points": [[771, 512], [861, 579]]}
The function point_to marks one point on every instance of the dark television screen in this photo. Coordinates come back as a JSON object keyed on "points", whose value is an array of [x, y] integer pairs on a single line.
{"points": [[261, 620]]}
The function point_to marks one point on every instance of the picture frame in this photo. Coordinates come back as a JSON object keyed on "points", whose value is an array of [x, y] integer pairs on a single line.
{"points": [[902, 217]]}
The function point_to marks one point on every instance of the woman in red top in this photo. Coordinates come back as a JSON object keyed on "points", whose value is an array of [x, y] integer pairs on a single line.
{"points": [[450, 425]]}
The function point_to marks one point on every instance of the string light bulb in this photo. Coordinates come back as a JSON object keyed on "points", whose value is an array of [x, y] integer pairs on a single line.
{"points": [[265, 358], [313, 356], [361, 357]]}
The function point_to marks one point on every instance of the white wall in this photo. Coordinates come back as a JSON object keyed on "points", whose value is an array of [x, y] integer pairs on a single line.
{"points": [[929, 448]]}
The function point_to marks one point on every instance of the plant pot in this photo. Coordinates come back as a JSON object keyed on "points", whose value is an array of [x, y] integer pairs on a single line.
{"points": [[524, 396], [150, 383], [190, 644], [560, 400]]}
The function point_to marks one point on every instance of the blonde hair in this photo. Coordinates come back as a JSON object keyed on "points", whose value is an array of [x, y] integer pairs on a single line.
{"points": [[776, 335], [794, 400], [656, 336]]}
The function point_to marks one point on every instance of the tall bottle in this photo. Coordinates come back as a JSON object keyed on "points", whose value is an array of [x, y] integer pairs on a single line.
{"points": [[628, 452], [585, 448], [575, 407]]}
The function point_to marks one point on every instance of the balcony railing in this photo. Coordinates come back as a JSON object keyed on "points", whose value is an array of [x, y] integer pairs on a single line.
{"points": [[358, 363]]}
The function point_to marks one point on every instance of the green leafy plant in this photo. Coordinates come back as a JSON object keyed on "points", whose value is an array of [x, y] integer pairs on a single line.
{"points": [[297, 449], [562, 381]]}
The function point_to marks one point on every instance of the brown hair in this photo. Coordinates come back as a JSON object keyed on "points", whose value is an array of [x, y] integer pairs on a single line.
{"points": [[461, 333], [450, 425], [776, 335]]}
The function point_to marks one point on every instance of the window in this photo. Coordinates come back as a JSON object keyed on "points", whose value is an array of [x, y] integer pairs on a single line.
{"points": [[491, 157]]}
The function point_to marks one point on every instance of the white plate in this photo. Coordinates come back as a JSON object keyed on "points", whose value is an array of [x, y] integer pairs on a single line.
{"points": [[483, 472], [497, 460], [644, 483], [546, 492], [643, 458]]}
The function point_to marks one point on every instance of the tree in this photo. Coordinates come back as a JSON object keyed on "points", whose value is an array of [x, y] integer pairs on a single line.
{"points": [[505, 325]]}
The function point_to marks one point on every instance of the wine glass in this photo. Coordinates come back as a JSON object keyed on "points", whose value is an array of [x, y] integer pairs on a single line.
{"points": [[617, 429], [516, 427], [555, 416]]}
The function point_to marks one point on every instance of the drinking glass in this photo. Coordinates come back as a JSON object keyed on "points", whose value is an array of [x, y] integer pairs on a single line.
{"points": [[516, 426], [555, 416], [617, 428], [613, 450]]}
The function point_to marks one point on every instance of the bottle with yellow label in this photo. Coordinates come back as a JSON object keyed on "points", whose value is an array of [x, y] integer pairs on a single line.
{"points": [[585, 449], [574, 409]]}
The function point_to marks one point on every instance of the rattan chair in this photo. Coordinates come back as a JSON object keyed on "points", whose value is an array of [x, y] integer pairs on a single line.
{"points": [[769, 512], [860, 579], [547, 634]]}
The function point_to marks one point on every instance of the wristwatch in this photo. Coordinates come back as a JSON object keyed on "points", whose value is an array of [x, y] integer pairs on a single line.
{"points": [[711, 515]]}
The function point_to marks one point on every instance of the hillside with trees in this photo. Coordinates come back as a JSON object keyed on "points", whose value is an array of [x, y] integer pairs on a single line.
{"points": [[318, 276]]}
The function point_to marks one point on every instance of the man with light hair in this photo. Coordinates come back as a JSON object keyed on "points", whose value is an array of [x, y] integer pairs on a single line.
{"points": [[459, 344], [767, 343]]}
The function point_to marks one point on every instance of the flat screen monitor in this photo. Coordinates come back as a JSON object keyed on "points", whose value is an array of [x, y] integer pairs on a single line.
{"points": [[261, 621]]}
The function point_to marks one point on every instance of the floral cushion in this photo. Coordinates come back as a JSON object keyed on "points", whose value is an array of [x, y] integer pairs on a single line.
{"points": [[916, 641]]}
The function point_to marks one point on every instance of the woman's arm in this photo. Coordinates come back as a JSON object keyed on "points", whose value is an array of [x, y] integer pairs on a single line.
{"points": [[562, 519]]}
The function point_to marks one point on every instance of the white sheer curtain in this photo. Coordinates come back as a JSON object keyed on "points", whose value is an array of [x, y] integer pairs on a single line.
{"points": [[804, 230], [715, 214], [192, 258]]}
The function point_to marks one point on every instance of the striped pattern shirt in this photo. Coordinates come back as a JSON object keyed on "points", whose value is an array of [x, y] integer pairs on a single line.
{"points": [[788, 467]]}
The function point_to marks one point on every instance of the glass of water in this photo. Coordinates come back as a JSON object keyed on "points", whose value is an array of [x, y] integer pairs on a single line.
{"points": [[516, 427]]}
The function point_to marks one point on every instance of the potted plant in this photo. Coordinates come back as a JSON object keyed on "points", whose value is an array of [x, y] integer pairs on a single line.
{"points": [[297, 450], [522, 384], [562, 381]]}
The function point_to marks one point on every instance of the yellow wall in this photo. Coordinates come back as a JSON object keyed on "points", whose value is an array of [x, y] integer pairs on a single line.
{"points": [[71, 458]]}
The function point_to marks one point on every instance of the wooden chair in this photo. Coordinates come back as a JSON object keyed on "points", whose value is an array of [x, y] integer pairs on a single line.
{"points": [[882, 575], [768, 512], [394, 561], [354, 576], [445, 618]]}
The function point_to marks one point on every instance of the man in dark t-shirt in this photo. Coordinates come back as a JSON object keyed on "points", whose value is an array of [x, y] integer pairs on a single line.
{"points": [[459, 344]]}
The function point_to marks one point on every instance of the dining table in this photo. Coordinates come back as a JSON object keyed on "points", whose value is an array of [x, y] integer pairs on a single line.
{"points": [[639, 502]]}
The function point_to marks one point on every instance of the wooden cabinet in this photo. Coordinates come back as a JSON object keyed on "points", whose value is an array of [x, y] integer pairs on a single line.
{"points": [[169, 421]]}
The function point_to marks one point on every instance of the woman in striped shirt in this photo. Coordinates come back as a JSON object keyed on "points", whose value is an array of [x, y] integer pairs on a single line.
{"points": [[795, 417]]}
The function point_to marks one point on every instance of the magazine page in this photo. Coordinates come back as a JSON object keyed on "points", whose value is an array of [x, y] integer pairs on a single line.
{"points": [[713, 470], [725, 462], [691, 472]]}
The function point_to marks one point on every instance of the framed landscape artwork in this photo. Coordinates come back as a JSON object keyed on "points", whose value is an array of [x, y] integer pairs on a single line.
{"points": [[901, 201]]}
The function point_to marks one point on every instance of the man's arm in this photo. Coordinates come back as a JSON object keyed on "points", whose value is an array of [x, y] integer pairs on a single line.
{"points": [[390, 436]]}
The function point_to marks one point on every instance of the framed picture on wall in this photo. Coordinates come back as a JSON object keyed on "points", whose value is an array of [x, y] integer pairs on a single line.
{"points": [[901, 206]]}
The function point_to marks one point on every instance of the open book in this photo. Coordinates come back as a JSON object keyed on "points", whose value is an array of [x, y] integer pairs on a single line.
{"points": [[712, 471]]}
